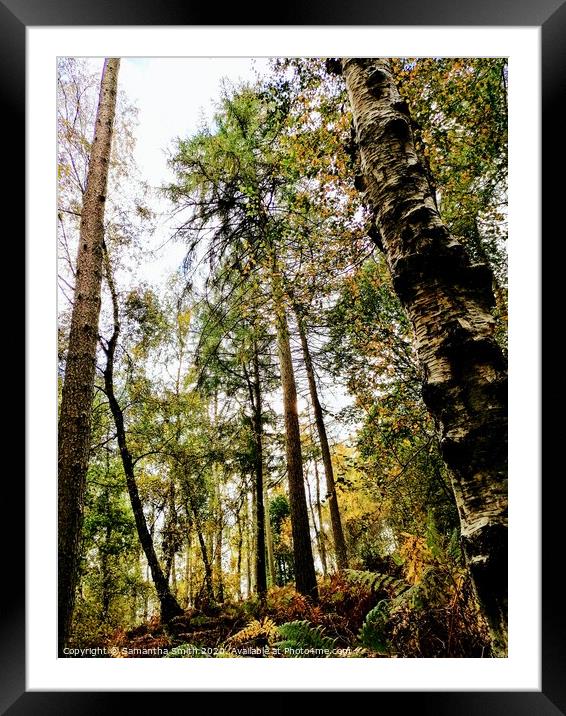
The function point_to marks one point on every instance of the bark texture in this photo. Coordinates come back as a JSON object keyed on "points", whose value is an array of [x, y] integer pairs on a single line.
{"points": [[169, 606], [448, 300], [305, 576], [78, 387], [337, 531]]}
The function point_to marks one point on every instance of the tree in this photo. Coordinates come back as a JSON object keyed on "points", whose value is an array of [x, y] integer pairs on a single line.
{"points": [[168, 604], [233, 180], [78, 387], [305, 576], [448, 299], [337, 532]]}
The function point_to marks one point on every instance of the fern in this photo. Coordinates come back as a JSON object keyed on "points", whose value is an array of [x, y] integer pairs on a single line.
{"points": [[264, 629], [300, 638], [372, 633], [376, 582]]}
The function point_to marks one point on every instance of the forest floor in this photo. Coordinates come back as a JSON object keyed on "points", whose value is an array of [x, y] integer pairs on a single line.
{"points": [[285, 624], [348, 620]]}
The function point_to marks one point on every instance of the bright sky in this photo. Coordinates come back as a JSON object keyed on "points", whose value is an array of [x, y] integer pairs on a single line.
{"points": [[173, 95]]}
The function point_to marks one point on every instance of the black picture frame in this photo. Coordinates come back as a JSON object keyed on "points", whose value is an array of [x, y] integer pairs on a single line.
{"points": [[550, 15]]}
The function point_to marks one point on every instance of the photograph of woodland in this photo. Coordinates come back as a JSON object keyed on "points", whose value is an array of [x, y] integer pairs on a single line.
{"points": [[282, 367]]}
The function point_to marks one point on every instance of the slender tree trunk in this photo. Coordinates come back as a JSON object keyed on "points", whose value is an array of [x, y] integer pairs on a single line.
{"points": [[218, 561], [170, 529], [168, 604], [249, 549], [269, 538], [239, 556], [320, 525], [335, 520], [188, 573], [78, 387], [208, 581], [254, 538], [305, 576], [174, 577], [256, 404], [448, 300], [314, 525]]}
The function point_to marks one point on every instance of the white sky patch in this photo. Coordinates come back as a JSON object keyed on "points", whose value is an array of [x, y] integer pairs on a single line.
{"points": [[173, 97]]}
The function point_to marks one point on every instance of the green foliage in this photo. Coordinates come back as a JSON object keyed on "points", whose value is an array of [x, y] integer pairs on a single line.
{"points": [[278, 510], [459, 107], [300, 638], [379, 583], [372, 634]]}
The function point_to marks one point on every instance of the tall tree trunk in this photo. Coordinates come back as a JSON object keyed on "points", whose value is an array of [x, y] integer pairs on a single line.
{"points": [[315, 526], [254, 388], [239, 556], [170, 532], [218, 560], [254, 538], [269, 538], [320, 525], [169, 607], [305, 576], [208, 581], [448, 300], [249, 549], [188, 573], [78, 387], [173, 580], [335, 520]]}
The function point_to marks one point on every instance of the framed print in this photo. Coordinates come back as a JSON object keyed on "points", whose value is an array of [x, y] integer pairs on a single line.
{"points": [[246, 579]]}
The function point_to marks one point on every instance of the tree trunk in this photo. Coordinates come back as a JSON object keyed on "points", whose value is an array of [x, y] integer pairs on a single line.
{"points": [[256, 404], [315, 527], [218, 561], [239, 557], [249, 549], [188, 573], [335, 520], [448, 300], [269, 538], [78, 387], [168, 604], [169, 546], [174, 577], [305, 576], [320, 525], [254, 537]]}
